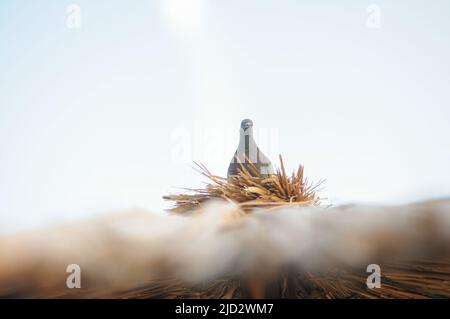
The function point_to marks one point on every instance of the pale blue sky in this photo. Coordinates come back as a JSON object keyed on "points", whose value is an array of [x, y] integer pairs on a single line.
{"points": [[87, 116]]}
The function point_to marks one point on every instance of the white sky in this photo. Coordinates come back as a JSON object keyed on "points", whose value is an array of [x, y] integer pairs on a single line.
{"points": [[109, 116]]}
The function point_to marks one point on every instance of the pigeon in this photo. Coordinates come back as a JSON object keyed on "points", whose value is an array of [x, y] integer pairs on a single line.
{"points": [[248, 154]]}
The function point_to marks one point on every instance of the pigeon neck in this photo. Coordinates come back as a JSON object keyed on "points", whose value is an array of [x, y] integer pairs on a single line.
{"points": [[247, 147], [246, 138]]}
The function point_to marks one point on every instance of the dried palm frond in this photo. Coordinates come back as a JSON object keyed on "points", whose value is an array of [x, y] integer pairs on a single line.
{"points": [[251, 189]]}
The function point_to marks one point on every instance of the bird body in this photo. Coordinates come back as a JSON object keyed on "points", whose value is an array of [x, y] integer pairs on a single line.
{"points": [[248, 155]]}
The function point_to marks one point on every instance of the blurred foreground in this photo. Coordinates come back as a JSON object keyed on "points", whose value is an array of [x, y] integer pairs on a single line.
{"points": [[220, 251]]}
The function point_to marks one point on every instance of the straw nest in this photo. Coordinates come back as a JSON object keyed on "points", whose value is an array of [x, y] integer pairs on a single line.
{"points": [[250, 189]]}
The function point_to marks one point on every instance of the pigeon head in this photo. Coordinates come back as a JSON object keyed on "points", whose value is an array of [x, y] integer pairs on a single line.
{"points": [[246, 124]]}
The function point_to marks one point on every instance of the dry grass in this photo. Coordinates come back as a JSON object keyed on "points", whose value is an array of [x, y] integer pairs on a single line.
{"points": [[251, 190]]}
